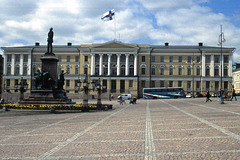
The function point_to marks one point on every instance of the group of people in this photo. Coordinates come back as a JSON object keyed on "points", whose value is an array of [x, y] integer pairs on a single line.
{"points": [[133, 100], [222, 96]]}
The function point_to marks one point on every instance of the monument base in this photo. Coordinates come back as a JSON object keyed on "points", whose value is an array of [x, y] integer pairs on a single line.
{"points": [[47, 97]]}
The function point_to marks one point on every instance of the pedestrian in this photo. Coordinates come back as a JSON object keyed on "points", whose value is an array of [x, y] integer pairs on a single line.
{"points": [[222, 96], [208, 97], [234, 95], [120, 100]]}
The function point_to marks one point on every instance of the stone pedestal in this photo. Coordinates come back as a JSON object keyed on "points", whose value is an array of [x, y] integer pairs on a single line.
{"points": [[49, 64]]}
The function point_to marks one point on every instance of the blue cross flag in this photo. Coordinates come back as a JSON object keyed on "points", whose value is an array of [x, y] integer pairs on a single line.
{"points": [[108, 16]]}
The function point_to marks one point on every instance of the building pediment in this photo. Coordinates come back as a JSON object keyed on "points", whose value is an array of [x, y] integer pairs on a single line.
{"points": [[115, 45]]}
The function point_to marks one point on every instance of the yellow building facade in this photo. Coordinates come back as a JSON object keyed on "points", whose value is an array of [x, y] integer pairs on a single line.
{"points": [[124, 67]]}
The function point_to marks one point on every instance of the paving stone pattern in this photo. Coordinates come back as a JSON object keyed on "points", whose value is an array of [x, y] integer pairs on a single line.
{"points": [[150, 130]]}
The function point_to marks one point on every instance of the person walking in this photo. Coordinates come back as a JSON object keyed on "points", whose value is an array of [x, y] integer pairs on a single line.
{"points": [[222, 96], [208, 97], [234, 95]]}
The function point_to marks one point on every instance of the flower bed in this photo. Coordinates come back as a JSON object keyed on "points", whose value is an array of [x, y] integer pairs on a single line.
{"points": [[49, 107]]}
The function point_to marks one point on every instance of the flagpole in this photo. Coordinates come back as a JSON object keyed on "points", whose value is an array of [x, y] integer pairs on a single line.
{"points": [[115, 37]]}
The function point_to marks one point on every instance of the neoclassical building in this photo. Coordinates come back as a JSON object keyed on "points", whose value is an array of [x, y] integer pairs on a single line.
{"points": [[125, 67]]}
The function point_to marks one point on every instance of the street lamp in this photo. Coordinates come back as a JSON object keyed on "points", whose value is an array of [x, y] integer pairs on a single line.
{"points": [[221, 40], [99, 90], [22, 88]]}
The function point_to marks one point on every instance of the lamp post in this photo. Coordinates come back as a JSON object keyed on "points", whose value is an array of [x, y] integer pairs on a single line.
{"points": [[22, 88], [221, 40], [99, 90]]}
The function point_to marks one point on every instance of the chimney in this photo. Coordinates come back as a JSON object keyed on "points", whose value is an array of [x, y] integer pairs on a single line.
{"points": [[37, 44], [69, 44], [200, 44], [166, 44]]}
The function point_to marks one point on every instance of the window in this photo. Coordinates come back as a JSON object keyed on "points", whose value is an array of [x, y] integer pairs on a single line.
{"points": [[189, 71], [123, 58], [85, 70], [113, 86], [179, 71], [25, 58], [188, 84], [170, 71], [85, 58], [207, 71], [143, 71], [76, 70], [179, 83], [198, 83], [131, 58], [198, 59], [216, 59], [114, 70], [225, 85], [131, 70], [25, 68], [68, 70], [153, 84], [153, 58], [143, 58], [16, 83], [162, 58], [34, 69], [97, 70], [180, 59], [76, 83], [207, 85], [105, 59], [143, 84], [170, 84], [208, 59], [153, 70], [171, 59], [225, 71], [161, 71], [105, 71], [17, 58], [189, 59], [76, 58], [8, 82], [130, 83], [225, 59], [67, 83], [17, 70], [9, 58], [122, 70], [216, 85], [60, 58], [161, 83], [114, 58], [198, 71], [68, 58], [8, 70], [216, 71]]}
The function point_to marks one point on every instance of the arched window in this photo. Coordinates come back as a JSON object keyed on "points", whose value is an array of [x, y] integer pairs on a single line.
{"points": [[131, 70]]}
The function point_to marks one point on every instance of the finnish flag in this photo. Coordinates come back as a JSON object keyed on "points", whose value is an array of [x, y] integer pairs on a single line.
{"points": [[108, 16]]}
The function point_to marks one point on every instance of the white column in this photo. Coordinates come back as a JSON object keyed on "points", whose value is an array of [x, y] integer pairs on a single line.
{"points": [[212, 66], [13, 65], [135, 64], [230, 66], [203, 65], [5, 65], [29, 63], [118, 64], [92, 64], [109, 64], [101, 64], [21, 64], [127, 65]]}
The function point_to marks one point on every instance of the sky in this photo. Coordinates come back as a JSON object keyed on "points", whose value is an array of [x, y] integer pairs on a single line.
{"points": [[178, 22]]}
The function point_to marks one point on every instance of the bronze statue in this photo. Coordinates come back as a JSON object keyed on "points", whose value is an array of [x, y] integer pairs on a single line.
{"points": [[61, 80], [50, 40]]}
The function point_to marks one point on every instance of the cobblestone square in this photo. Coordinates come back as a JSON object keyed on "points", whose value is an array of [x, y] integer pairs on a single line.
{"points": [[150, 129]]}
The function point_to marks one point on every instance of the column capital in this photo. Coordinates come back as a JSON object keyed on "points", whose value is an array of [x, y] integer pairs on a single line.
{"points": [[127, 54]]}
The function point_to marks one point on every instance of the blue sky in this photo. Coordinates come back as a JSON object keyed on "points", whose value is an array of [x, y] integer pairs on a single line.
{"points": [[179, 22]]}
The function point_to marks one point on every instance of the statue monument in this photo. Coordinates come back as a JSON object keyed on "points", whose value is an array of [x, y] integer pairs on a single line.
{"points": [[48, 88]]}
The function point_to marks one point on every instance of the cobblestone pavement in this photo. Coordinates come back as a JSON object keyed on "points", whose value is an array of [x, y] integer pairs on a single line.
{"points": [[151, 129]]}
